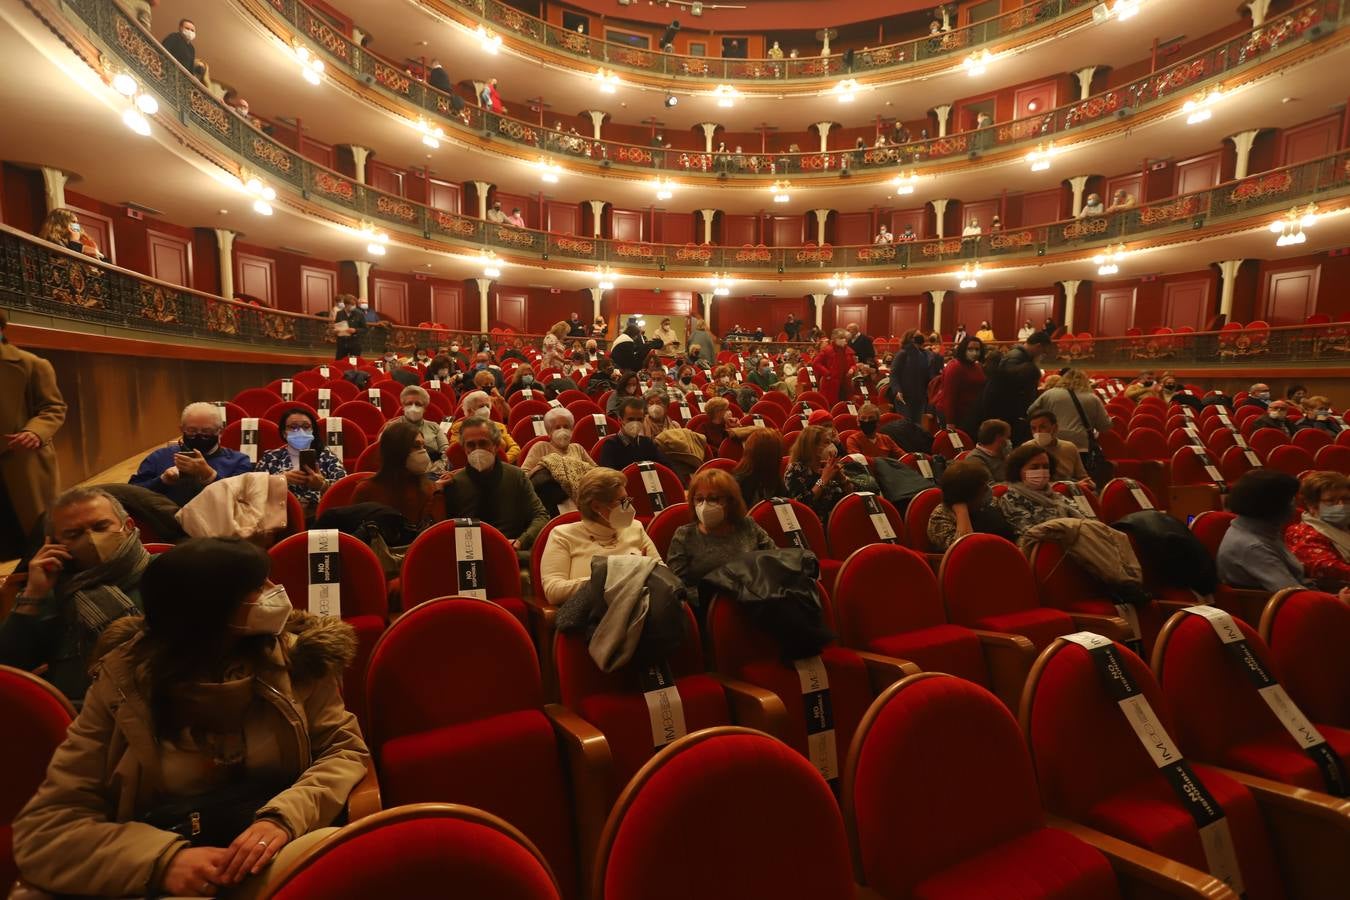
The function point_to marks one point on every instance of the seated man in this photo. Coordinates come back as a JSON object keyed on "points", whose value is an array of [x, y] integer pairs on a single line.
{"points": [[494, 491], [86, 575], [1258, 395], [1277, 417], [1068, 461], [991, 448], [631, 445], [180, 470]]}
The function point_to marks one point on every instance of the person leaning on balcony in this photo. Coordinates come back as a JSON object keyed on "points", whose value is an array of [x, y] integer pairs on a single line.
{"points": [[62, 227], [1121, 200], [179, 45], [1092, 207], [495, 214]]}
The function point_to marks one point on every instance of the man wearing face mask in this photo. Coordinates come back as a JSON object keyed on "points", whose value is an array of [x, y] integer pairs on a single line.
{"points": [[179, 45], [1277, 417], [763, 375], [479, 405], [85, 576], [1068, 461], [1258, 395], [631, 445], [493, 491], [180, 470], [415, 402], [349, 323]]}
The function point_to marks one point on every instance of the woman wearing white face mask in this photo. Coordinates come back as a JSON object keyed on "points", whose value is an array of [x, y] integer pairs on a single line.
{"points": [[963, 386], [415, 403], [229, 706], [656, 420], [1321, 539], [555, 466], [480, 405], [1030, 500], [607, 528], [404, 480], [721, 531]]}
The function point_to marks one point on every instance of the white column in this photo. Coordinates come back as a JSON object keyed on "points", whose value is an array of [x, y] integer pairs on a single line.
{"points": [[940, 213], [480, 189], [597, 119], [359, 157], [707, 216], [943, 112], [1229, 269], [1242, 142], [1258, 9], [709, 131], [945, 11], [1084, 77], [225, 249], [362, 279], [937, 309], [824, 129], [484, 285], [597, 216], [54, 187], [1079, 184], [1070, 296], [818, 300], [596, 296], [821, 216], [707, 301]]}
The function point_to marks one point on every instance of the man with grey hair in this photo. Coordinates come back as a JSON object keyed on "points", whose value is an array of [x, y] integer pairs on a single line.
{"points": [[86, 575], [415, 402], [180, 470], [492, 490]]}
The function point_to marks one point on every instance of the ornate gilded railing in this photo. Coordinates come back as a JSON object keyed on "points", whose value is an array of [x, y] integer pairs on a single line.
{"points": [[1311, 19]]}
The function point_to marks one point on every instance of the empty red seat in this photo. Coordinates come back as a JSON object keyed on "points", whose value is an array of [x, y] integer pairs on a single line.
{"points": [[523, 409], [725, 814], [917, 514], [1334, 457], [267, 437], [852, 524], [987, 584], [1312, 439], [1307, 633], [665, 523], [1290, 459], [430, 569], [340, 492], [1264, 440], [1122, 496], [422, 848], [346, 441], [1146, 443], [652, 487], [948, 747], [363, 415], [256, 401]]}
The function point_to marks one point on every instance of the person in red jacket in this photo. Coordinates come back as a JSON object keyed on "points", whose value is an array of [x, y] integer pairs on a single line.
{"points": [[832, 366], [963, 386], [1321, 538]]}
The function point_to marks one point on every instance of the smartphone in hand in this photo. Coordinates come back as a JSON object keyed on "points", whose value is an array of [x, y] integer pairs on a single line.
{"points": [[309, 459]]}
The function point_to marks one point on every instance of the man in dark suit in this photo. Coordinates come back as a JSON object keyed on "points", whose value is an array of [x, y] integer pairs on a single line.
{"points": [[860, 344], [438, 78], [179, 45]]}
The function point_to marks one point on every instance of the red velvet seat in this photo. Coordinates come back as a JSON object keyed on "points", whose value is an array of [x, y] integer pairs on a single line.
{"points": [[665, 523], [340, 492], [256, 401], [851, 527], [523, 409], [1312, 439], [1071, 490], [1221, 719], [1146, 443], [1119, 500], [269, 437], [812, 532], [725, 814], [1093, 769], [1307, 633], [943, 745], [951, 441], [362, 414], [36, 716], [1264, 440], [1063, 584], [421, 849], [1334, 457], [1191, 465], [527, 429], [352, 437], [987, 584], [1290, 459], [670, 492], [365, 605], [586, 431], [1238, 461], [429, 569], [917, 514], [457, 716]]}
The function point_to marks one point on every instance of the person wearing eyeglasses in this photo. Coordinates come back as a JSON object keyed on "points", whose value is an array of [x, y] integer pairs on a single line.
{"points": [[721, 531], [180, 470]]}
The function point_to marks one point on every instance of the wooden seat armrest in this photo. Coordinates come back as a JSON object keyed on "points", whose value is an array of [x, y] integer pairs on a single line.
{"points": [[1145, 873], [1008, 658], [885, 671], [1175, 606], [1113, 627], [364, 800], [1245, 603], [754, 706], [590, 766], [1309, 832], [543, 618]]}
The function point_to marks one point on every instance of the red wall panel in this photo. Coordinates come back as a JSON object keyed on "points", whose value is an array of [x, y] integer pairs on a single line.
{"points": [[1305, 142], [445, 195], [563, 218], [1035, 308], [317, 289], [905, 315], [982, 211], [971, 310], [1289, 296], [853, 229], [1186, 303], [384, 178], [740, 230], [1113, 311], [626, 225], [1131, 183], [1042, 207], [170, 257], [768, 313], [100, 229], [1198, 174], [255, 276], [679, 228], [22, 204], [447, 306], [390, 299], [789, 231], [529, 206], [914, 218], [509, 310]]}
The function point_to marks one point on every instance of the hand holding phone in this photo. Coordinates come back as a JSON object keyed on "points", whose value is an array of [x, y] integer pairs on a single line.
{"points": [[309, 459]]}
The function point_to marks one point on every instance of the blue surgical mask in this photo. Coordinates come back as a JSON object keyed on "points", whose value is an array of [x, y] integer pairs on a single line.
{"points": [[527, 379], [1336, 514], [299, 439]]}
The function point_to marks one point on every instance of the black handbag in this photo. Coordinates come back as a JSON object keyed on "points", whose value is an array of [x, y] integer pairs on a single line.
{"points": [[217, 817], [1099, 468]]}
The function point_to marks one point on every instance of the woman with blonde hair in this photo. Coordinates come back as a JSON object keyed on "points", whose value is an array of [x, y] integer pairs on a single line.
{"points": [[479, 404], [607, 528], [555, 347], [1317, 414], [717, 427], [814, 475], [1072, 385], [721, 531], [63, 227]]}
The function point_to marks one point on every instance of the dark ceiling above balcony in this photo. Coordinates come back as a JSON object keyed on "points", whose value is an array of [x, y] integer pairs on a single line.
{"points": [[757, 16]]}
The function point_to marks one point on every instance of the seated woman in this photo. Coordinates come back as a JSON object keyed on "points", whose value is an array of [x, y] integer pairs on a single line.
{"points": [[404, 481], [717, 427], [656, 420], [1253, 553], [555, 466], [628, 385], [759, 473], [415, 401], [607, 528], [231, 702], [723, 381], [521, 378], [1317, 414], [967, 506], [62, 227], [1321, 541], [309, 482], [721, 530], [479, 404], [868, 441], [814, 475], [1030, 500]]}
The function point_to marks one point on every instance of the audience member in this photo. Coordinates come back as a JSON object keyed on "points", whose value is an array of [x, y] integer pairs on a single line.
{"points": [[861, 345], [656, 420], [963, 385], [180, 470], [495, 214], [814, 475], [415, 402], [718, 422], [179, 45], [490, 99], [230, 701], [1277, 417], [516, 219], [608, 527], [1092, 207], [349, 323], [438, 78], [575, 327], [967, 506], [1146, 384], [1068, 462], [493, 491], [630, 445], [993, 442], [86, 575], [792, 328], [1253, 553], [1296, 394], [762, 375], [1029, 500], [62, 227], [309, 470], [1257, 395], [555, 466], [480, 404], [832, 365], [1010, 388], [1026, 331], [522, 379], [1320, 541], [1121, 200], [404, 482], [909, 377], [867, 440], [884, 236], [32, 410], [667, 336], [554, 347], [1073, 385], [721, 531], [985, 333], [759, 474], [1317, 414]]}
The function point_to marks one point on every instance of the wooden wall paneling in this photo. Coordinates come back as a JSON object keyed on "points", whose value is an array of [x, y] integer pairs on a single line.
{"points": [[447, 305], [1132, 184], [626, 224], [681, 228], [390, 299], [1035, 308], [319, 152], [1032, 100], [100, 228], [1199, 173], [1042, 207], [904, 316], [384, 178], [790, 231], [256, 277], [1113, 311], [1186, 303], [982, 211], [853, 229], [971, 311], [317, 289], [170, 258], [445, 195], [1309, 141], [914, 218], [848, 313], [511, 309], [1290, 295], [563, 218], [738, 231]]}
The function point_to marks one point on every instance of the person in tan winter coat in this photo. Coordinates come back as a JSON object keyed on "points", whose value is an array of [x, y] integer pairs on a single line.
{"points": [[32, 410], [222, 690]]}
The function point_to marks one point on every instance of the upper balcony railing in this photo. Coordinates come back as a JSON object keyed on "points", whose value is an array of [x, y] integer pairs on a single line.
{"points": [[507, 20], [260, 155], [1280, 32]]}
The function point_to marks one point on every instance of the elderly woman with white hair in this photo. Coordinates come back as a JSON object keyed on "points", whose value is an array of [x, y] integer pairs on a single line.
{"points": [[479, 404], [555, 466], [415, 402], [180, 470]]}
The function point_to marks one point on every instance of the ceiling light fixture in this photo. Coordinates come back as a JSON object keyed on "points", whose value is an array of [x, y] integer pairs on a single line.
{"points": [[1108, 261], [721, 284], [489, 41], [492, 266], [905, 181], [976, 63], [665, 188], [839, 284], [607, 81], [672, 101], [548, 170], [375, 239], [432, 135], [780, 191], [604, 278], [138, 123], [970, 275], [1198, 108], [1125, 9], [142, 104], [845, 90], [1039, 159], [1290, 226], [311, 67], [726, 95], [263, 194]]}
